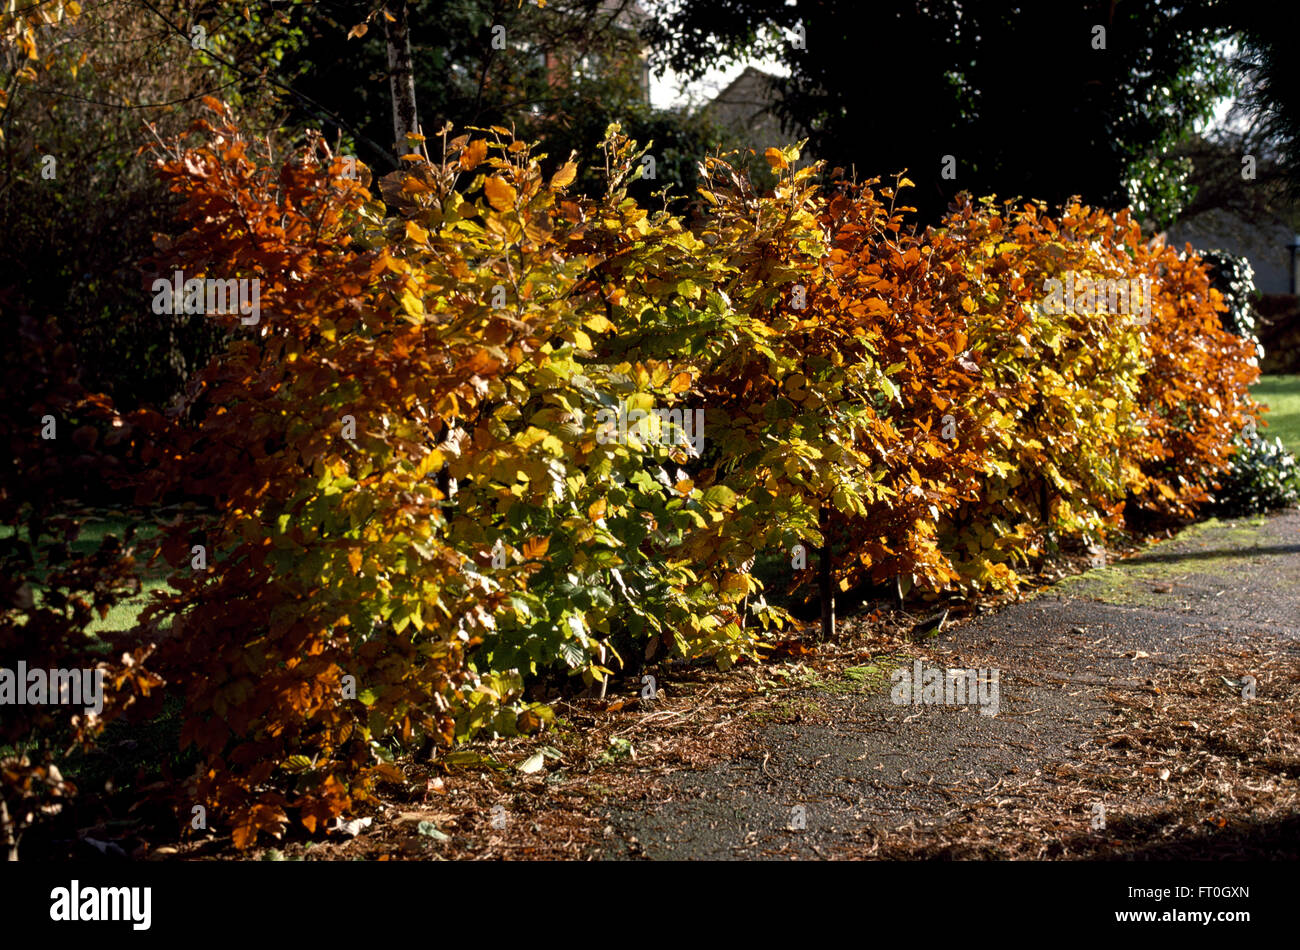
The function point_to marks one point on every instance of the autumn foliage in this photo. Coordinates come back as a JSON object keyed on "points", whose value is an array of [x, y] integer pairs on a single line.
{"points": [[430, 490]]}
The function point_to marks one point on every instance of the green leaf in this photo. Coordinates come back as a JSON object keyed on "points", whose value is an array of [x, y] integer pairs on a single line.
{"points": [[430, 830], [719, 496]]}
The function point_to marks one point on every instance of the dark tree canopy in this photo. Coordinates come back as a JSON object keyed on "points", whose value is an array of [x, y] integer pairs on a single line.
{"points": [[1019, 96], [1271, 70]]}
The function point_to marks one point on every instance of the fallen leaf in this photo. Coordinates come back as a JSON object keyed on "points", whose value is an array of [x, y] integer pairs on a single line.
{"points": [[534, 763], [430, 830], [350, 828]]}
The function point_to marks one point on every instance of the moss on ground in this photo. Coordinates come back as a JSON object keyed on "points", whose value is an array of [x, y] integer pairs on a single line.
{"points": [[1136, 581]]}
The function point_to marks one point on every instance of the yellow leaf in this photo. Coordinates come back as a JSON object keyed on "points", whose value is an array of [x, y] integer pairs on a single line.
{"points": [[416, 233], [431, 461], [775, 159], [681, 382], [735, 586], [1109, 403], [581, 340], [354, 560], [564, 175], [598, 323], [499, 194], [412, 304], [597, 510]]}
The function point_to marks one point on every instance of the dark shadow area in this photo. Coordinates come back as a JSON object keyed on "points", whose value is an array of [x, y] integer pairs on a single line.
{"points": [[1271, 840], [1278, 549]]}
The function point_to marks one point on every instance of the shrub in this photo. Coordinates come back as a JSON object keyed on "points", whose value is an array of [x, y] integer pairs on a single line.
{"points": [[1263, 475], [421, 504], [1234, 278], [1195, 394]]}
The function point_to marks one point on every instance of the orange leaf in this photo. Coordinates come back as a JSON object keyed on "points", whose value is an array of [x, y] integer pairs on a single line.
{"points": [[416, 233], [499, 194], [534, 548], [775, 159], [244, 835], [358, 31], [473, 155], [564, 175]]}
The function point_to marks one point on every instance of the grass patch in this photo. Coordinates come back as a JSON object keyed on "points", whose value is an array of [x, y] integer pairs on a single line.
{"points": [[797, 690], [873, 677], [1282, 396], [95, 528]]}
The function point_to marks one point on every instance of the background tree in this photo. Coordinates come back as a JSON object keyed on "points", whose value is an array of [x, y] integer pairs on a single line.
{"points": [[558, 73], [79, 205], [1024, 98], [1271, 78]]}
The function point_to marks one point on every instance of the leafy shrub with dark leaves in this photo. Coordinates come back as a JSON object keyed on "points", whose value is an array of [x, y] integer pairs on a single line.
{"points": [[1232, 276], [1263, 476]]}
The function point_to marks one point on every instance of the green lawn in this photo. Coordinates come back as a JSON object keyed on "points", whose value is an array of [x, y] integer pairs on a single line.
{"points": [[93, 532], [1282, 396]]}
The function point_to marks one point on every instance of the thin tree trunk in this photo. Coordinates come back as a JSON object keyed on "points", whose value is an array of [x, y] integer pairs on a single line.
{"points": [[825, 590], [8, 833], [401, 74]]}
